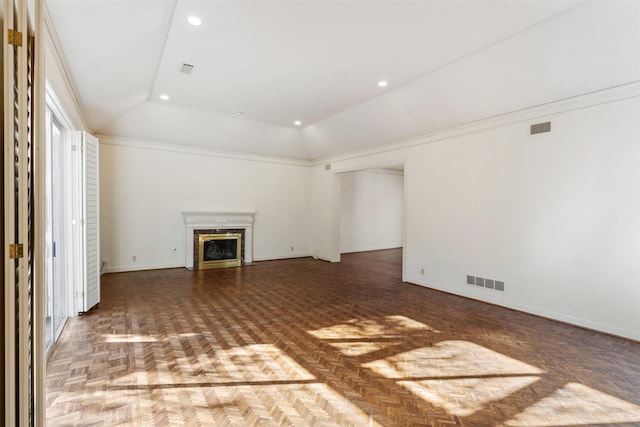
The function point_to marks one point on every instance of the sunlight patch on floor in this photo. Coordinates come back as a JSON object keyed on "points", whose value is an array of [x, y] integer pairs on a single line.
{"points": [[366, 335], [460, 359], [464, 397], [257, 384], [253, 367], [125, 338], [387, 327], [459, 376], [116, 338], [577, 404], [357, 348], [106, 408], [256, 362]]}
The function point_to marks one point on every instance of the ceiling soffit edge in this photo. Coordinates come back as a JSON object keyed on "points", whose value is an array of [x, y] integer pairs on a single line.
{"points": [[453, 61], [591, 99], [120, 141], [167, 30], [58, 53]]}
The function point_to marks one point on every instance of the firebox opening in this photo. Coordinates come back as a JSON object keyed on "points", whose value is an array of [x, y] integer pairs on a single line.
{"points": [[219, 250]]}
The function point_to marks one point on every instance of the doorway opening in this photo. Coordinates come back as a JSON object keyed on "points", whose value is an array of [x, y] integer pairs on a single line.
{"points": [[372, 209]]}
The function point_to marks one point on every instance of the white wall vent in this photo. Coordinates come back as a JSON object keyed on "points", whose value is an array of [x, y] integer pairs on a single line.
{"points": [[540, 128], [186, 68]]}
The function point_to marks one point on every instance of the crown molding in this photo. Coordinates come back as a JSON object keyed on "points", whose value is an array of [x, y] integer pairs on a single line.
{"points": [[196, 151], [578, 102]]}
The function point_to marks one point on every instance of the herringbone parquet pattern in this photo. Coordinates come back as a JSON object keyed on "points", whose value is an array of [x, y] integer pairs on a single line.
{"points": [[308, 343]]}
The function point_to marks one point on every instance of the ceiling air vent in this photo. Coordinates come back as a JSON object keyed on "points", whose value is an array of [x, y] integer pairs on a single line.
{"points": [[186, 68], [540, 128]]}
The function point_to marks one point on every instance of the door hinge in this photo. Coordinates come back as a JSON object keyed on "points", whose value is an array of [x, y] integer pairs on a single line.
{"points": [[15, 38], [16, 251]]}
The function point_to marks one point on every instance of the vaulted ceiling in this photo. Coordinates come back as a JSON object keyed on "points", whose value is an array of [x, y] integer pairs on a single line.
{"points": [[260, 66]]}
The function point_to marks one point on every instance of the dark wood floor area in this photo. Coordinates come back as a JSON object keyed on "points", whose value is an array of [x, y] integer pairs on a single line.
{"points": [[303, 342]]}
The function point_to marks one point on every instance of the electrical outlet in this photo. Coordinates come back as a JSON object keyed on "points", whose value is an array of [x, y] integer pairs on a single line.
{"points": [[133, 258], [105, 261], [422, 271], [291, 248]]}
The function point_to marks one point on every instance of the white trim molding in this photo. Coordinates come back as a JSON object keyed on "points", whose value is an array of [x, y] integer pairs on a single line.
{"points": [[537, 112], [140, 144], [218, 220]]}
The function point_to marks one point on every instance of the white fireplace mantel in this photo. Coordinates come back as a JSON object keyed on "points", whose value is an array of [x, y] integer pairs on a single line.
{"points": [[219, 220]]}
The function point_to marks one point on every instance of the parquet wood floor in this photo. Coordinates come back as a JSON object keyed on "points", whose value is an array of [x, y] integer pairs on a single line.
{"points": [[309, 343]]}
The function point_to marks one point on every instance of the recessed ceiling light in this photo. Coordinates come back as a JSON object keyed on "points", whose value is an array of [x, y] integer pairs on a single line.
{"points": [[297, 123], [164, 97], [194, 20], [382, 83]]}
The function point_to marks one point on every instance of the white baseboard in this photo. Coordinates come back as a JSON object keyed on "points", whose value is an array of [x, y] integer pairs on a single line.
{"points": [[560, 317], [138, 267], [370, 248], [283, 256]]}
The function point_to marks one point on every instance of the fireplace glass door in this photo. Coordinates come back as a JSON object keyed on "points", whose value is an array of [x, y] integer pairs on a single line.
{"points": [[219, 250]]}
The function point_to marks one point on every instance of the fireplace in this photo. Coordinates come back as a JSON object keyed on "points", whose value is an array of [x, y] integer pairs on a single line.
{"points": [[219, 250], [218, 223], [213, 247]]}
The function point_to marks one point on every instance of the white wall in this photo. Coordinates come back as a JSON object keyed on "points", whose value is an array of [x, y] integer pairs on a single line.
{"points": [[145, 187], [324, 214], [555, 216], [371, 210], [59, 85]]}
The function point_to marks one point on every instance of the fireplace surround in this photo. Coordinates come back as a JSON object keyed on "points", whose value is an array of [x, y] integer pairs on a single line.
{"points": [[197, 223]]}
